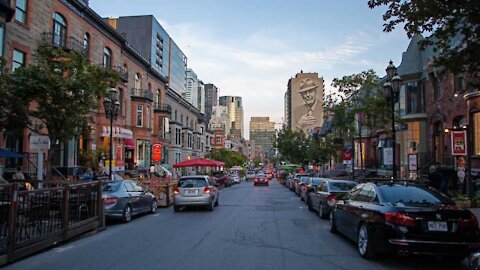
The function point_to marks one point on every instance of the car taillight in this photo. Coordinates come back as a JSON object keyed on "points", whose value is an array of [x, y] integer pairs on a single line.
{"points": [[176, 191], [331, 199], [399, 219], [471, 222], [206, 190], [110, 200], [256, 179]]}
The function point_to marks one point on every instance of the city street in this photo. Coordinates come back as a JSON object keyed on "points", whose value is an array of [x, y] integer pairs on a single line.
{"points": [[253, 228]]}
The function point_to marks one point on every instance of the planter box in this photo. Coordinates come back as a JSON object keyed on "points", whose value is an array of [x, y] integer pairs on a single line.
{"points": [[464, 204]]}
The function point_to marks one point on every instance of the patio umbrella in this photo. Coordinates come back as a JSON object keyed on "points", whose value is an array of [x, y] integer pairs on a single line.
{"points": [[199, 162], [10, 154]]}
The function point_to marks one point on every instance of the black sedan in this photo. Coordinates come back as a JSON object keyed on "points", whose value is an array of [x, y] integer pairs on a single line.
{"points": [[326, 193], [405, 219]]}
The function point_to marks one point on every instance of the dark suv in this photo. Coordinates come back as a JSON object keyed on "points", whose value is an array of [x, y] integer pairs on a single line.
{"points": [[219, 177]]}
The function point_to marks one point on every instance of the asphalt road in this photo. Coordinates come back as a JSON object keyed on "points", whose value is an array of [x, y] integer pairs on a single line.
{"points": [[253, 228]]}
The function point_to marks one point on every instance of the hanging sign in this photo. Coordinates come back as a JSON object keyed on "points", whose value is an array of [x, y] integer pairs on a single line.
{"points": [[157, 152], [459, 143]]}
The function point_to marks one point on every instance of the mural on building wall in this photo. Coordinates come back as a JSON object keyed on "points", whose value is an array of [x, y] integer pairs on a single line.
{"points": [[307, 104]]}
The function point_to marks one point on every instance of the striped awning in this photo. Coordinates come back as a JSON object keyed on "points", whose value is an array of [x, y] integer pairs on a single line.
{"points": [[117, 132]]}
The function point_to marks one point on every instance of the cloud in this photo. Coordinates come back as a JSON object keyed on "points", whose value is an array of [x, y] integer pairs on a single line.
{"points": [[257, 67]]}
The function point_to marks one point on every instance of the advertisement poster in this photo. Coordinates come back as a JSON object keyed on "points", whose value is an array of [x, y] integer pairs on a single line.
{"points": [[388, 156], [412, 162], [459, 143]]}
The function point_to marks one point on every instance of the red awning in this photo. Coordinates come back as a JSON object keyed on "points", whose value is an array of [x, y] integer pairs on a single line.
{"points": [[199, 162], [129, 143]]}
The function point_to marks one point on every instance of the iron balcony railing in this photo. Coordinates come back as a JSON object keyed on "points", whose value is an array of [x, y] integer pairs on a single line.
{"points": [[69, 43], [163, 107], [140, 93], [123, 73]]}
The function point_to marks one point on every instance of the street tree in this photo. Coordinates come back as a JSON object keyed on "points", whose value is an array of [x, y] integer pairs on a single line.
{"points": [[454, 27], [291, 145], [231, 158], [55, 95]]}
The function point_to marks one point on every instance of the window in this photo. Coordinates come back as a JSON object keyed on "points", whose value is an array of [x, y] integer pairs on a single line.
{"points": [[86, 44], [139, 116], [21, 11], [476, 133], [59, 30], [2, 29], [157, 97], [107, 57], [18, 59], [148, 117], [120, 100], [415, 97], [436, 87], [459, 83], [138, 81], [218, 139]]}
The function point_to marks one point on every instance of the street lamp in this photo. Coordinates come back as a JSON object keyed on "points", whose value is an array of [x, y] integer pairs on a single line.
{"points": [[112, 108], [391, 89]]}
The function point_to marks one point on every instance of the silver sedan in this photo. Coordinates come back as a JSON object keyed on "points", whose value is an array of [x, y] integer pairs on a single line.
{"points": [[195, 191]]}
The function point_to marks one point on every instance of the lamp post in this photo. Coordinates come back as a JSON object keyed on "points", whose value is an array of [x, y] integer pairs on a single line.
{"points": [[391, 89], [112, 108]]}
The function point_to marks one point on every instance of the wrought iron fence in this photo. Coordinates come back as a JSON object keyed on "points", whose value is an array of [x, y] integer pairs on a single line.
{"points": [[141, 93], [35, 219]]}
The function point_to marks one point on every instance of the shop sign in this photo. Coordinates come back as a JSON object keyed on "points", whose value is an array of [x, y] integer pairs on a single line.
{"points": [[388, 156], [39, 142], [157, 152], [347, 157], [459, 143]]}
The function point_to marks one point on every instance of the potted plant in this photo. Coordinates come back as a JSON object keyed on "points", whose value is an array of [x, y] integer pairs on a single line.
{"points": [[462, 201]]}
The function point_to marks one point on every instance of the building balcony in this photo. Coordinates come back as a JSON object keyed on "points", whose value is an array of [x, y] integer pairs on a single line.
{"points": [[140, 94], [67, 43], [162, 108], [123, 73]]}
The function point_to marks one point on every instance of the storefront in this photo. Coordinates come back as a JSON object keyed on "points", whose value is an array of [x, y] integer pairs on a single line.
{"points": [[120, 137], [143, 153]]}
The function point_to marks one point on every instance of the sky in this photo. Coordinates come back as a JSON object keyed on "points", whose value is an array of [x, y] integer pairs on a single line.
{"points": [[251, 48]]}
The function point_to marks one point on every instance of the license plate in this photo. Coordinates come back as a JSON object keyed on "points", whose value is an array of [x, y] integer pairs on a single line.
{"points": [[437, 226], [191, 192]]}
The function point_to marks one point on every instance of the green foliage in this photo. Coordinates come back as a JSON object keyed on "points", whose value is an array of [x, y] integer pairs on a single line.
{"points": [[56, 94], [447, 21], [231, 158], [292, 145]]}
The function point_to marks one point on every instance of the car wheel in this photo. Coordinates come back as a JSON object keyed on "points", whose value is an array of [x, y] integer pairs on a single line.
{"points": [[333, 224], [176, 208], [153, 210], [127, 214], [210, 207], [216, 202], [363, 243], [321, 211], [309, 203]]}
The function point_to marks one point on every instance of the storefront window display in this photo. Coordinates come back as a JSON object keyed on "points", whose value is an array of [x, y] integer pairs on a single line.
{"points": [[143, 153]]}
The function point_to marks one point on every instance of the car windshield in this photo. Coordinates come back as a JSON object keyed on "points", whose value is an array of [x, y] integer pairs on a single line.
{"points": [[411, 195], [111, 187], [341, 186], [192, 183], [251, 172], [316, 181]]}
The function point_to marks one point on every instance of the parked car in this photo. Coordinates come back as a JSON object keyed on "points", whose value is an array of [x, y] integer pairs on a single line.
{"points": [[405, 219], [299, 183], [250, 175], [305, 189], [260, 179], [219, 178], [195, 190], [123, 199], [326, 193], [235, 178], [292, 181]]}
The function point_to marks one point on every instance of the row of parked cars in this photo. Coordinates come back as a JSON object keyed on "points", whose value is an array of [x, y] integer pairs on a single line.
{"points": [[401, 217]]}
